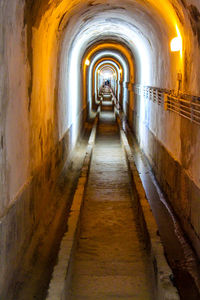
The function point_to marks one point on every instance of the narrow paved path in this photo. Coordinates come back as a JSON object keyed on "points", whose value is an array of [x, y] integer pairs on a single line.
{"points": [[111, 261]]}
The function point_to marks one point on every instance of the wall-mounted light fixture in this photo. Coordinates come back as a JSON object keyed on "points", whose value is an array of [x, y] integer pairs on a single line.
{"points": [[176, 44], [87, 62]]}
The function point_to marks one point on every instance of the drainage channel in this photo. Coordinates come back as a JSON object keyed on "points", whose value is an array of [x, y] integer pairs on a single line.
{"points": [[111, 249]]}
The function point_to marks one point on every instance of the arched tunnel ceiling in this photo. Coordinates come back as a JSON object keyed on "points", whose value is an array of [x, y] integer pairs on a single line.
{"points": [[59, 32], [144, 42], [101, 65], [111, 63], [170, 11], [44, 100], [145, 26], [114, 48], [108, 67], [107, 54]]}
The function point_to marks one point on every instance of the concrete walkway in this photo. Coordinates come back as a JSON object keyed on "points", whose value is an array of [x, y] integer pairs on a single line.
{"points": [[110, 261]]}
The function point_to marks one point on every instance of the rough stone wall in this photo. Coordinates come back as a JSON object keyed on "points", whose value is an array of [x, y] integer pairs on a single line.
{"points": [[171, 145], [14, 112], [31, 153], [170, 142], [192, 45]]}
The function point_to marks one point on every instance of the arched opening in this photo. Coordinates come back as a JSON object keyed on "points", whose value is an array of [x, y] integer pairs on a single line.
{"points": [[154, 51]]}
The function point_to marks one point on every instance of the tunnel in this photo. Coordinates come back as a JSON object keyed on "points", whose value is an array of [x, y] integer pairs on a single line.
{"points": [[99, 149]]}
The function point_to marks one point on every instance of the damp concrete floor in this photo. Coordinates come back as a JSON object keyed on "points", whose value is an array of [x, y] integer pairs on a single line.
{"points": [[111, 261]]}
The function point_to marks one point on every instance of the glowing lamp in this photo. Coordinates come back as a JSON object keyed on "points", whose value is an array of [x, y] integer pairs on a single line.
{"points": [[87, 62], [176, 44]]}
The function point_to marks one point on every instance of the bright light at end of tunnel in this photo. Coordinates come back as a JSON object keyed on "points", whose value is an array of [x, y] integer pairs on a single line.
{"points": [[107, 75], [87, 62]]}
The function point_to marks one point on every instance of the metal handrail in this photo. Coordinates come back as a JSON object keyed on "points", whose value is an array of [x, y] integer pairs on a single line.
{"points": [[185, 105]]}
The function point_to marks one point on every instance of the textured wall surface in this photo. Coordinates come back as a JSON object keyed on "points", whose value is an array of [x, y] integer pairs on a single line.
{"points": [[42, 104], [171, 145]]}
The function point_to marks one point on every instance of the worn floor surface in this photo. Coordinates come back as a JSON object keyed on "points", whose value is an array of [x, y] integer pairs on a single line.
{"points": [[111, 261]]}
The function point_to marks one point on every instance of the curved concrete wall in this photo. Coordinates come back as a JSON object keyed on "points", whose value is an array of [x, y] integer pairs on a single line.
{"points": [[42, 112]]}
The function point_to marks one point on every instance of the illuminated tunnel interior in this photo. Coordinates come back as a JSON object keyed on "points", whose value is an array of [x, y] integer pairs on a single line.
{"points": [[61, 63]]}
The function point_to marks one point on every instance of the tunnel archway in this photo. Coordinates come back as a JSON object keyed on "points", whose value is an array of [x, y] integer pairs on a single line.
{"points": [[111, 54], [114, 48], [120, 75], [99, 76], [43, 112]]}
